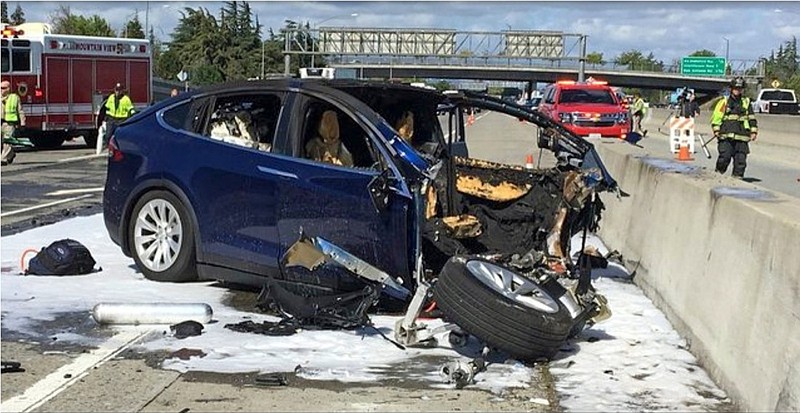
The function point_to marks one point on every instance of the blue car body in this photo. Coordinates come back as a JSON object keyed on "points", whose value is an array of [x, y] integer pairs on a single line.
{"points": [[247, 206]]}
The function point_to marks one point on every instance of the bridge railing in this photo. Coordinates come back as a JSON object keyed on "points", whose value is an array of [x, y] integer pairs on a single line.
{"points": [[445, 47]]}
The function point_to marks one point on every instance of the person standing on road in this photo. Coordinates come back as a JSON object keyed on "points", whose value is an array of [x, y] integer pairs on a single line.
{"points": [[689, 108], [734, 124], [639, 110], [118, 107], [12, 117]]}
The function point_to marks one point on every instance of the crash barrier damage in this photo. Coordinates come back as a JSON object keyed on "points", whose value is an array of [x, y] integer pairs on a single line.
{"points": [[720, 258]]}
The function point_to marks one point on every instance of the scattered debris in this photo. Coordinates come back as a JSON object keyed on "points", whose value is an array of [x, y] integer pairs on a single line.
{"points": [[187, 328], [151, 313], [12, 367], [266, 328], [462, 373], [187, 353], [272, 379]]}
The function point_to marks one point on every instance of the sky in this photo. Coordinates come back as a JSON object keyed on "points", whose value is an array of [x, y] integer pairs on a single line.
{"points": [[670, 30], [633, 361]]}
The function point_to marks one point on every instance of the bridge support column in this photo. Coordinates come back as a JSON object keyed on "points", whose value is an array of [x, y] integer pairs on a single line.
{"points": [[582, 67]]}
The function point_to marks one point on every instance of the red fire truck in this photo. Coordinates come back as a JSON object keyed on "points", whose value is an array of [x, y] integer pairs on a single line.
{"points": [[63, 80]]}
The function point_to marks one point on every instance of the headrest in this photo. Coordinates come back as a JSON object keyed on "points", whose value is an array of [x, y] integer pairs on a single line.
{"points": [[329, 126], [405, 125]]}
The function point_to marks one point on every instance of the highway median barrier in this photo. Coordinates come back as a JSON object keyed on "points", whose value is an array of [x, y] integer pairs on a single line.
{"points": [[720, 258]]}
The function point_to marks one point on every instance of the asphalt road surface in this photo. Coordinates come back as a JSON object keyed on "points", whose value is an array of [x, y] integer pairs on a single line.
{"points": [[42, 187]]}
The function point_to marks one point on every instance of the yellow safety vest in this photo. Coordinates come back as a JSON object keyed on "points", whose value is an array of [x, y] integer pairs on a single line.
{"points": [[119, 110], [731, 125], [10, 113]]}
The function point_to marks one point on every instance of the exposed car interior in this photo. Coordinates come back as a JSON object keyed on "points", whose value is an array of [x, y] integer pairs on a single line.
{"points": [[331, 136], [248, 121]]}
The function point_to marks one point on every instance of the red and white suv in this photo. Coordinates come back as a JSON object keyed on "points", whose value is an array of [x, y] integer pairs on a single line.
{"points": [[587, 109]]}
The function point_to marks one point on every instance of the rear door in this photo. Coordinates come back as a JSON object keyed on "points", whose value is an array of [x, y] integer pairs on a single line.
{"points": [[232, 185]]}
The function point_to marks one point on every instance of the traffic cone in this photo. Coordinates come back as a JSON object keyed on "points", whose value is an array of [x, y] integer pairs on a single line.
{"points": [[683, 153], [529, 162], [470, 119]]}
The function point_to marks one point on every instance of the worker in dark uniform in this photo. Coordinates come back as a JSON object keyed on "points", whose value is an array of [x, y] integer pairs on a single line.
{"points": [[734, 125]]}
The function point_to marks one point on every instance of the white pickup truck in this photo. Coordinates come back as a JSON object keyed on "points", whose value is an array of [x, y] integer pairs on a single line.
{"points": [[777, 101]]}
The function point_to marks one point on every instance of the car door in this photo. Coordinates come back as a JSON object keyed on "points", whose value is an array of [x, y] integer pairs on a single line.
{"points": [[234, 181], [331, 201]]}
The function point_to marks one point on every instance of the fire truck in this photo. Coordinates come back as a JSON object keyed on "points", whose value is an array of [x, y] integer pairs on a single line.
{"points": [[63, 80]]}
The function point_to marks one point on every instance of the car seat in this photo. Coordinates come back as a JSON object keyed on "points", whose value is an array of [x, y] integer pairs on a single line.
{"points": [[327, 146]]}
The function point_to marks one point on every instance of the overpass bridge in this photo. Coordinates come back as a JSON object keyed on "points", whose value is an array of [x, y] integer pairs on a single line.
{"points": [[510, 55]]}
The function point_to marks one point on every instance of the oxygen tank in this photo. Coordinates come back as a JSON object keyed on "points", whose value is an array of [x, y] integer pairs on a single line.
{"points": [[151, 313]]}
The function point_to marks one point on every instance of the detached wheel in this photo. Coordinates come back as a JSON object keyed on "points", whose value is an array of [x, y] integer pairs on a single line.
{"points": [[161, 238], [502, 308]]}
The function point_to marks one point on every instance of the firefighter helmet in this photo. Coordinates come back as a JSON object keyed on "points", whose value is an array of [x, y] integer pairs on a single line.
{"points": [[737, 83]]}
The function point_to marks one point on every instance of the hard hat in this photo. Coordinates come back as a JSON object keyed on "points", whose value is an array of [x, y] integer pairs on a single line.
{"points": [[737, 83], [119, 86]]}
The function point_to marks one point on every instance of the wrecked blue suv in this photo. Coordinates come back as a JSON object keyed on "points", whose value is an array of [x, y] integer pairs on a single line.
{"points": [[310, 188]]}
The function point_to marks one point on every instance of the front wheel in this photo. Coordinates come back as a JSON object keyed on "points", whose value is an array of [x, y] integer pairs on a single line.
{"points": [[161, 238], [504, 309], [90, 137]]}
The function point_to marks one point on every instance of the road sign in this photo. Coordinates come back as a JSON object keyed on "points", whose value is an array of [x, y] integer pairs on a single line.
{"points": [[703, 66], [776, 83], [182, 75]]}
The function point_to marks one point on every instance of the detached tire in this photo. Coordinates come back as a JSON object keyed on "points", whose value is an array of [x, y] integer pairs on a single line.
{"points": [[161, 238], [502, 308]]}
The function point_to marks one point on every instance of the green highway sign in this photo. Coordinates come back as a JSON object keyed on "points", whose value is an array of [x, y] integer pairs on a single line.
{"points": [[703, 66]]}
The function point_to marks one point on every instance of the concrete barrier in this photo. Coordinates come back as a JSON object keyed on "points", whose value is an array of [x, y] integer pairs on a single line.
{"points": [[722, 259]]}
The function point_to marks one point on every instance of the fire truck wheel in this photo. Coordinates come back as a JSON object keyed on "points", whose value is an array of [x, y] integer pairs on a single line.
{"points": [[91, 139], [504, 309], [48, 140], [161, 238]]}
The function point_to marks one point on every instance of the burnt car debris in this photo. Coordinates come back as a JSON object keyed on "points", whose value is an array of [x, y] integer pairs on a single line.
{"points": [[221, 184]]}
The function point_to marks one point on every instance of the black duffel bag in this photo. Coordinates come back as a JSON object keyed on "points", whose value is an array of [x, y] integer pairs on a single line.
{"points": [[63, 257]]}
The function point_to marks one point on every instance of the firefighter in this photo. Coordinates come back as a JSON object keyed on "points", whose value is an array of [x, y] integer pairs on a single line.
{"points": [[118, 107], [12, 117], [734, 124], [639, 109]]}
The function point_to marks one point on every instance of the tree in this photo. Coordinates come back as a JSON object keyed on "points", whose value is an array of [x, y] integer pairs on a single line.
{"points": [[64, 22], [4, 12], [595, 58], [18, 17], [635, 60], [703, 53], [133, 29]]}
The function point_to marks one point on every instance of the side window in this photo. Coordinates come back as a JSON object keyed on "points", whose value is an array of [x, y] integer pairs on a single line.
{"points": [[245, 120], [21, 60], [331, 136], [550, 95], [177, 116], [6, 62]]}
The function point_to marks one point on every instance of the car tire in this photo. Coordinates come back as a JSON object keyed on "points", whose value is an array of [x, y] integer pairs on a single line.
{"points": [[470, 293], [90, 137], [48, 140], [162, 238]]}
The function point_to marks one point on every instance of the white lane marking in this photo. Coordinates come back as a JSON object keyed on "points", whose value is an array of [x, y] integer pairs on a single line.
{"points": [[49, 204], [78, 158], [74, 191], [54, 383]]}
